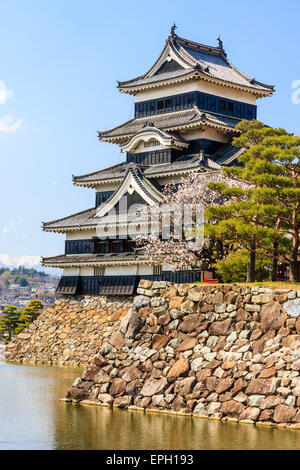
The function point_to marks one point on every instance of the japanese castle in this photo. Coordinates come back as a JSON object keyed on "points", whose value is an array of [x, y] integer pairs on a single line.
{"points": [[186, 109]]}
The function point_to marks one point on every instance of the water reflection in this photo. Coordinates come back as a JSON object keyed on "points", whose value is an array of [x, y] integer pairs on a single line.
{"points": [[32, 417], [103, 428]]}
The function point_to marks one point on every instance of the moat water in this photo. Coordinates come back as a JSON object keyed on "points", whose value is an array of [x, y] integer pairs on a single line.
{"points": [[33, 417]]}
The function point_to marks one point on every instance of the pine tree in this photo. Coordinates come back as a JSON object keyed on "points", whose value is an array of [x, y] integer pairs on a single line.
{"points": [[29, 314], [9, 323], [239, 224], [271, 163]]}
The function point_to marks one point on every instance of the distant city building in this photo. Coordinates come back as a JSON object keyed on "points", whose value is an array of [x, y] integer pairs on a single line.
{"points": [[187, 107]]}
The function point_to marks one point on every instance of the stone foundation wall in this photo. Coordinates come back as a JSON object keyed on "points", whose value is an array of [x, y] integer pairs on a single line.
{"points": [[223, 352], [69, 333]]}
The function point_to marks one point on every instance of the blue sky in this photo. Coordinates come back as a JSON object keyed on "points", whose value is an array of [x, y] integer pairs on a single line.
{"points": [[59, 62]]}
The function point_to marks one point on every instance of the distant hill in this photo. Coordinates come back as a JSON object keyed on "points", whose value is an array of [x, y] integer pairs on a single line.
{"points": [[24, 276], [37, 267]]}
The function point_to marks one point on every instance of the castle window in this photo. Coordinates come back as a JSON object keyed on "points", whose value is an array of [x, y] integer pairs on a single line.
{"points": [[102, 197], [205, 102], [157, 270], [99, 271], [222, 106], [151, 143], [230, 107], [79, 247], [117, 246], [102, 247], [129, 246], [178, 102]]}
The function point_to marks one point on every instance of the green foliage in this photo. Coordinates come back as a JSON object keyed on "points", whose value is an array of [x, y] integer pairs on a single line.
{"points": [[266, 216], [29, 314], [31, 272], [14, 322], [22, 281], [9, 322], [234, 267], [23, 276]]}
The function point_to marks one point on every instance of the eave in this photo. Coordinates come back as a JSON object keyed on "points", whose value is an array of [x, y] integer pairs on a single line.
{"points": [[61, 262], [203, 121], [93, 184], [197, 75]]}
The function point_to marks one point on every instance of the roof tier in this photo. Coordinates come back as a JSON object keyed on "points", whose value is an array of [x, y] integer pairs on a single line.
{"points": [[117, 173], [173, 121], [144, 180], [182, 59], [63, 261]]}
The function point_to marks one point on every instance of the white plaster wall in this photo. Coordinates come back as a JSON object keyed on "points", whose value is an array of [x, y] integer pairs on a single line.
{"points": [[206, 133], [144, 269], [87, 271], [196, 85], [71, 272], [107, 187], [171, 179], [121, 270], [81, 235]]}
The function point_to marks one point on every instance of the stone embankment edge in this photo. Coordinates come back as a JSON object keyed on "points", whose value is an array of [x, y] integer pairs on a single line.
{"points": [[187, 415]]}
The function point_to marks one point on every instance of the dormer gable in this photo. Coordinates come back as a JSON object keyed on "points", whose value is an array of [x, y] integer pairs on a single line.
{"points": [[135, 184], [151, 133]]}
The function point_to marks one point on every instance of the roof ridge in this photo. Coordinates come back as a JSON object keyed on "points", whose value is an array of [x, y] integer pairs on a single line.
{"points": [[142, 180], [144, 75], [199, 45]]}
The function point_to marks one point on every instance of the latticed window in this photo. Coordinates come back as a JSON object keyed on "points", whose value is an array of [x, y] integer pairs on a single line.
{"points": [[99, 271], [117, 246], [79, 246], [102, 197], [157, 270], [204, 101], [151, 143]]}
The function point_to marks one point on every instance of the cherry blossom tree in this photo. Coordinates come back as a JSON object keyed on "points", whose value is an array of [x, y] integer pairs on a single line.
{"points": [[186, 245]]}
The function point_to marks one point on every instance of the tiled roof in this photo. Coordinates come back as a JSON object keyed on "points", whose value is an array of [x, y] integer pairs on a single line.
{"points": [[227, 154], [178, 165], [111, 172], [88, 217], [208, 61], [183, 163], [157, 78], [83, 218], [172, 120], [107, 258]]}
